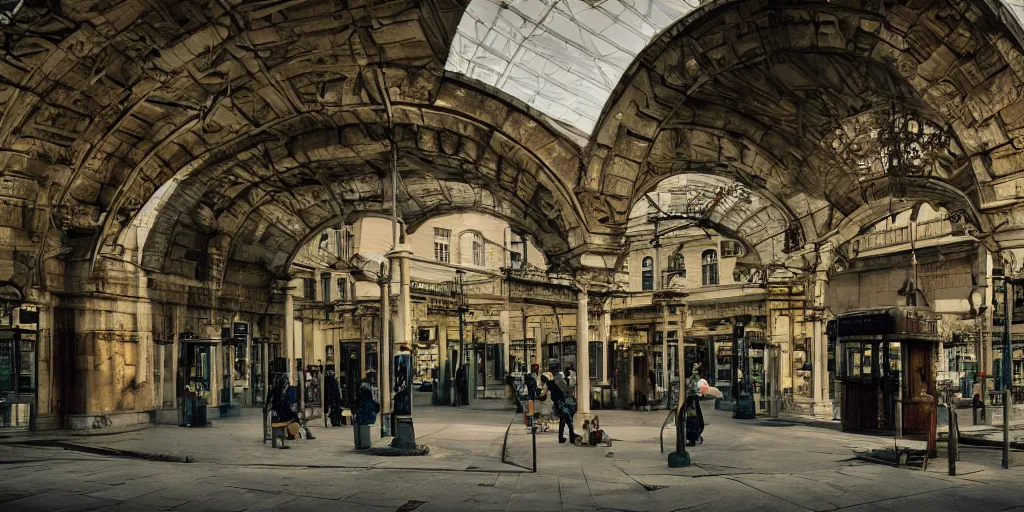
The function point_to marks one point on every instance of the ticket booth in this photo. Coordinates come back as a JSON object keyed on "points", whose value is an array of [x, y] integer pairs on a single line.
{"points": [[17, 378], [195, 361], [887, 368]]}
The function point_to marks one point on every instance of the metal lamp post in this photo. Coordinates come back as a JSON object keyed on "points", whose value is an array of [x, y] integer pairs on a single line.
{"points": [[460, 276]]}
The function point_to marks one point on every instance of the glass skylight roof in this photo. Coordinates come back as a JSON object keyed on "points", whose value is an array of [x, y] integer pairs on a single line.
{"points": [[561, 57], [564, 57]]}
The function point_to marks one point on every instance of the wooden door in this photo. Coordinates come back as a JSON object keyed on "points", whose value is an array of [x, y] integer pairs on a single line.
{"points": [[919, 388]]}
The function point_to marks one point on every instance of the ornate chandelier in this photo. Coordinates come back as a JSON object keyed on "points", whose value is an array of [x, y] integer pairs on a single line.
{"points": [[909, 145]]}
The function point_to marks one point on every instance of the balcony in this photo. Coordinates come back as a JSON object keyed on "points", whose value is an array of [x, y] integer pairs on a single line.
{"points": [[927, 233]]}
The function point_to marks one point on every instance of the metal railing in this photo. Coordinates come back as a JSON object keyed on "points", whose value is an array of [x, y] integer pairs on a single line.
{"points": [[927, 230]]}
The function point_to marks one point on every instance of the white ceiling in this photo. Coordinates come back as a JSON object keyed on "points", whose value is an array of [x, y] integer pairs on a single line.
{"points": [[564, 57], [561, 57]]}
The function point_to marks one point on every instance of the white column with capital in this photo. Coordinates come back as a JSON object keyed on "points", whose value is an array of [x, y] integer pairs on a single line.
{"points": [[606, 334], [402, 334], [664, 349], [505, 326], [822, 405], [289, 330], [582, 352]]}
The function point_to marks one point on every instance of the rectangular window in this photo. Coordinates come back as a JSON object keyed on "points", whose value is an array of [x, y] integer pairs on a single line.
{"points": [[442, 245], [596, 361], [342, 289], [730, 249], [517, 251], [308, 288], [325, 286]]}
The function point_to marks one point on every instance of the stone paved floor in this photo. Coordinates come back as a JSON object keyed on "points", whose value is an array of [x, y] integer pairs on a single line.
{"points": [[752, 465]]}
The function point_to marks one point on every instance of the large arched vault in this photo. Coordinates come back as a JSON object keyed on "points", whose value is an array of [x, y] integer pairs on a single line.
{"points": [[259, 122], [772, 93]]}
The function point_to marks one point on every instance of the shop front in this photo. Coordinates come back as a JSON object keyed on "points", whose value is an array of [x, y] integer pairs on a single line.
{"points": [[18, 346]]}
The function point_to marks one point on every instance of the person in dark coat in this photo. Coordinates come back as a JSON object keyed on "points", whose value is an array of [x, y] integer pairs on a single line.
{"points": [[564, 408], [277, 402], [332, 397], [694, 416], [532, 390], [461, 385], [366, 407]]}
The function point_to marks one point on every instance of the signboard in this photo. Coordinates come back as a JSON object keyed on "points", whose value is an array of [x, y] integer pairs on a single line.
{"points": [[874, 324]]}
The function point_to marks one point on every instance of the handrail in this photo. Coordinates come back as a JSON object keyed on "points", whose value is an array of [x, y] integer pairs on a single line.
{"points": [[661, 433], [927, 230]]}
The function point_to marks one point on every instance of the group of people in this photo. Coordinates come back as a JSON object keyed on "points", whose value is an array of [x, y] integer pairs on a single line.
{"points": [[283, 408], [561, 389]]}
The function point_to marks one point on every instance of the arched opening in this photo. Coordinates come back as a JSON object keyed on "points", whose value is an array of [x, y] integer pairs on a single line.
{"points": [[647, 274]]}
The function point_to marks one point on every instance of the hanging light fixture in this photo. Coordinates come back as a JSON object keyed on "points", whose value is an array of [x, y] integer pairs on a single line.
{"points": [[909, 146]]}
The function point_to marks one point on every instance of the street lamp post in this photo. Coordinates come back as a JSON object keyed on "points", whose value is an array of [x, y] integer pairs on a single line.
{"points": [[461, 398]]}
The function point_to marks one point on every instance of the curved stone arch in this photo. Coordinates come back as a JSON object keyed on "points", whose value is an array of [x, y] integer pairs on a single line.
{"points": [[900, 39], [774, 216], [932, 192], [317, 147]]}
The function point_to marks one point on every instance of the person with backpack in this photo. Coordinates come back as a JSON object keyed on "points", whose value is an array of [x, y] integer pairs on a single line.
{"points": [[564, 408]]}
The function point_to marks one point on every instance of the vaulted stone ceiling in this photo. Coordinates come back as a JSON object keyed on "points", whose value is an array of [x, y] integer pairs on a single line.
{"points": [[754, 90], [238, 128]]}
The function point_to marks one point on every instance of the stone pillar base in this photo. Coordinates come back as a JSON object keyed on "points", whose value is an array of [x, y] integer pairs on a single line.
{"points": [[822, 409], [405, 434]]}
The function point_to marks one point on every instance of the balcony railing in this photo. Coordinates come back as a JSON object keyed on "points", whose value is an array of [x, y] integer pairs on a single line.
{"points": [[928, 230]]}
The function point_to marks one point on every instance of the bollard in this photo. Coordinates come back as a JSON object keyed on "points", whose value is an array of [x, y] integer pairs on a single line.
{"points": [[534, 434], [933, 446], [977, 404], [953, 450]]}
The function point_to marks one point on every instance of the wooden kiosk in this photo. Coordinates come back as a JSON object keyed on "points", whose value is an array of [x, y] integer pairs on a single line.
{"points": [[873, 349]]}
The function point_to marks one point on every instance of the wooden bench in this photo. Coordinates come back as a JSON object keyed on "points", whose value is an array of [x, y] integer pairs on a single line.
{"points": [[274, 430]]}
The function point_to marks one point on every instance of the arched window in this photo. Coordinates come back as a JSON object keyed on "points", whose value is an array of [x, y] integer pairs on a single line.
{"points": [[709, 267], [647, 274], [479, 250], [677, 263]]}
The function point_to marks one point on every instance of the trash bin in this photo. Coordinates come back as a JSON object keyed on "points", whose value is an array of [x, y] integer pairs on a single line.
{"points": [[361, 433]]}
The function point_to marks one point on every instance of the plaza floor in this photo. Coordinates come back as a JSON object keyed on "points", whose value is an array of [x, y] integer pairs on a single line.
{"points": [[742, 465]]}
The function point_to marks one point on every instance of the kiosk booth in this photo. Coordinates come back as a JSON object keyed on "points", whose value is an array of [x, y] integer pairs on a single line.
{"points": [[887, 368], [195, 365]]}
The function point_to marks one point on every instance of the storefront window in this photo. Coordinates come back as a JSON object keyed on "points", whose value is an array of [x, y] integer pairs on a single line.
{"points": [[858, 361]]}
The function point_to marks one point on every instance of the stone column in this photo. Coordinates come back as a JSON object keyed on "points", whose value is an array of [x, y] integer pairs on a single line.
{"points": [[442, 359], [384, 350], [289, 331], [984, 348], [822, 405], [582, 352], [538, 340], [664, 347], [681, 354], [605, 334], [505, 326]]}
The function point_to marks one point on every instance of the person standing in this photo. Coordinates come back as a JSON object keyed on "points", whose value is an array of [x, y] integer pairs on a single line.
{"points": [[332, 397], [564, 407], [460, 385], [693, 414]]}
